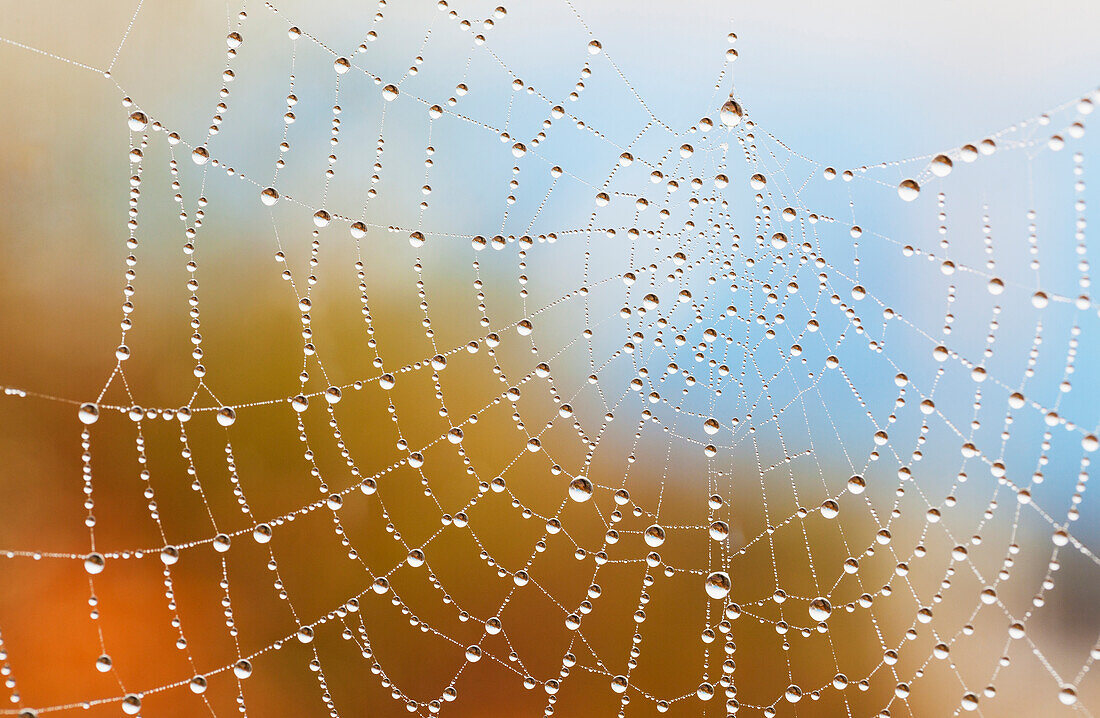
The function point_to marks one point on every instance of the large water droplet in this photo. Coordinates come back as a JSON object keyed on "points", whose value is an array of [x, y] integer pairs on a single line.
{"points": [[580, 489], [718, 584], [731, 113]]}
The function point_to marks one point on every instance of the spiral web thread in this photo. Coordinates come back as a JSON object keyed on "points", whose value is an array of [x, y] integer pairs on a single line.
{"points": [[673, 331]]}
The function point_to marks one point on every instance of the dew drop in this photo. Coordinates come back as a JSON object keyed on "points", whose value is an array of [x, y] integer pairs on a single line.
{"points": [[94, 563], [262, 533], [654, 536], [941, 165], [820, 609], [580, 489], [131, 704], [88, 413], [908, 190], [731, 113], [718, 585], [138, 121]]}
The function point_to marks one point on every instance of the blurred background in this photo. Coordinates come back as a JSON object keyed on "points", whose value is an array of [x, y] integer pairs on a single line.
{"points": [[820, 87]]}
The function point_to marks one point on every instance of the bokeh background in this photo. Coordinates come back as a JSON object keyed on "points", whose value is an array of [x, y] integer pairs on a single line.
{"points": [[843, 87]]}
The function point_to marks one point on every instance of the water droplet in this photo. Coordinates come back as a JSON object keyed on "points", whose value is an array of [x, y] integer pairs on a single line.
{"points": [[138, 121], [94, 563], [908, 190], [718, 585], [88, 413], [820, 609], [131, 704], [580, 489], [941, 165], [731, 113], [262, 533], [242, 668], [654, 536]]}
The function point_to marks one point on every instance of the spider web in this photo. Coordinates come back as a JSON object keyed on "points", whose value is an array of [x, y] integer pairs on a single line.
{"points": [[728, 430]]}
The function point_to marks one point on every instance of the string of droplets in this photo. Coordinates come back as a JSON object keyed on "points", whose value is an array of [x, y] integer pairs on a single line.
{"points": [[717, 583]]}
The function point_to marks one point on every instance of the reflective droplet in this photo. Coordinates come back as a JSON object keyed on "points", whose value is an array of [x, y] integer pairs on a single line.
{"points": [[820, 609], [226, 416], [138, 121], [941, 165], [262, 533], [580, 489], [88, 413], [731, 113], [94, 563], [131, 704], [908, 190], [718, 585]]}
